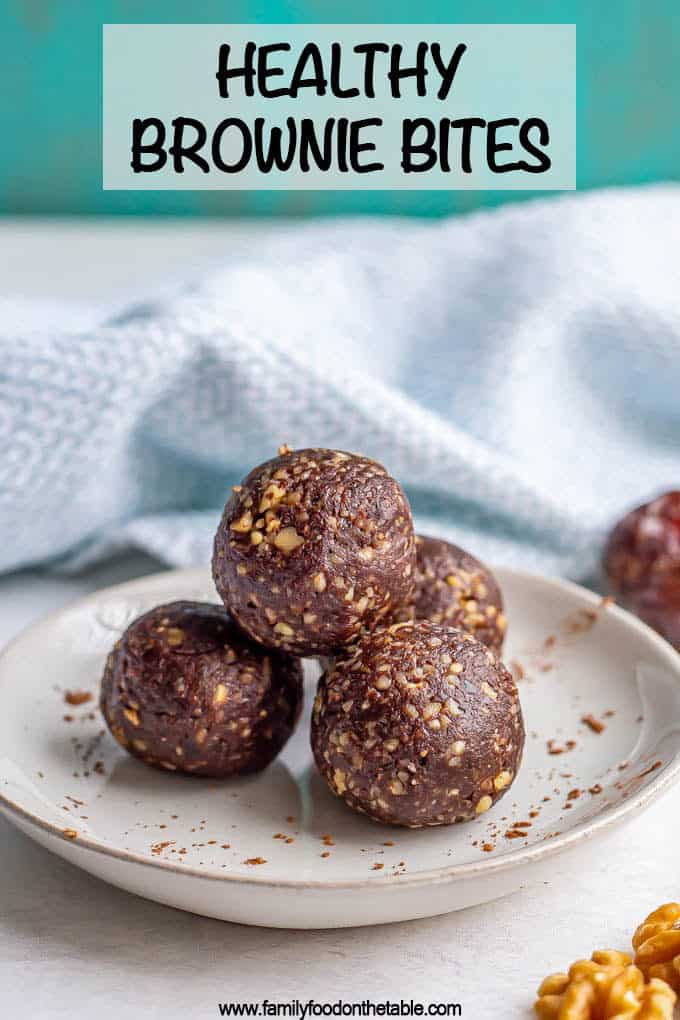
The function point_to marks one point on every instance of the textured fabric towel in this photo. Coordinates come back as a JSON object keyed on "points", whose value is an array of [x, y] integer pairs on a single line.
{"points": [[517, 370]]}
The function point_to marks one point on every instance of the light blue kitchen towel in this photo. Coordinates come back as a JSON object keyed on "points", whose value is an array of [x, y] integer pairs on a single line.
{"points": [[517, 370]]}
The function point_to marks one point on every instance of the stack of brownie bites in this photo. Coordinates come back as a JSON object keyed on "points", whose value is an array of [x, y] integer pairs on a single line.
{"points": [[415, 722]]}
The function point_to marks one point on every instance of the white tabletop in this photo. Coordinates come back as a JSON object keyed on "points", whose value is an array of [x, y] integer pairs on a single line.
{"points": [[72, 946]]}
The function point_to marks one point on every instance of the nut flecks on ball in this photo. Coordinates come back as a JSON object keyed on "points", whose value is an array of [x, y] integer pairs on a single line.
{"points": [[455, 589], [418, 724], [183, 689], [313, 547]]}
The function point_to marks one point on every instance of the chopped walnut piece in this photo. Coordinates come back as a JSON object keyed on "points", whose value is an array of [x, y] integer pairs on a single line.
{"points": [[288, 539], [244, 523], [220, 694], [131, 716], [502, 780]]}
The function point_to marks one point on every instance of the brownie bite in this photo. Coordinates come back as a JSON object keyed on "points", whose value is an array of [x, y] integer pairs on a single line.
{"points": [[185, 690], [418, 724], [313, 547], [455, 589]]}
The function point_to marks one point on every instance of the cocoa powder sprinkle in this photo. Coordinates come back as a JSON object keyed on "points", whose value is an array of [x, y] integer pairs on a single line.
{"points": [[594, 724], [77, 697]]}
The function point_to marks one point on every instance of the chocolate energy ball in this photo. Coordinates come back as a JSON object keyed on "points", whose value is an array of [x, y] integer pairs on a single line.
{"points": [[313, 547], [184, 689], [455, 589], [644, 546], [418, 724]]}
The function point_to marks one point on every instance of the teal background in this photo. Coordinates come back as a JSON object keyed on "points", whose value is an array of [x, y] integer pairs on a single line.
{"points": [[628, 99]]}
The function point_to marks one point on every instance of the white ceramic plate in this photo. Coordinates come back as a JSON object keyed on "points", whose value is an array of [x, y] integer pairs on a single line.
{"points": [[193, 843]]}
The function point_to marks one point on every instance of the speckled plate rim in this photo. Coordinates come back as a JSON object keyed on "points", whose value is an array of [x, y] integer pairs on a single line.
{"points": [[609, 817]]}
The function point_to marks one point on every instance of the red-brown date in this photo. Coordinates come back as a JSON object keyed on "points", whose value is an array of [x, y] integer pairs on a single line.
{"points": [[659, 606], [644, 547]]}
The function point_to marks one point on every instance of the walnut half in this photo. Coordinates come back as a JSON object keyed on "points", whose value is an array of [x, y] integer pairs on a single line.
{"points": [[606, 987], [657, 945]]}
